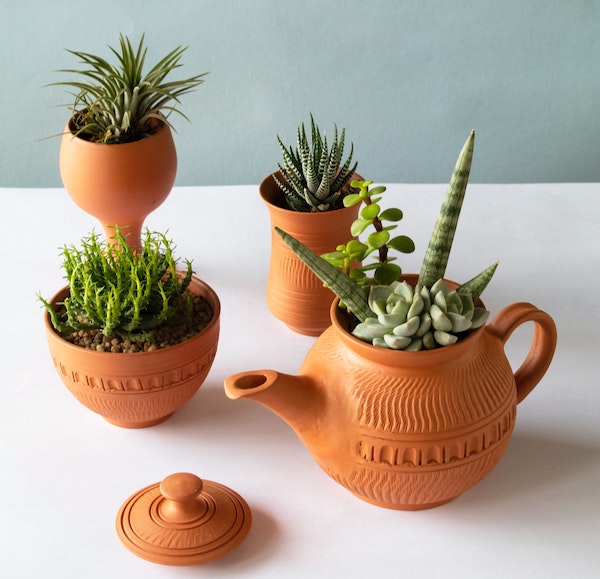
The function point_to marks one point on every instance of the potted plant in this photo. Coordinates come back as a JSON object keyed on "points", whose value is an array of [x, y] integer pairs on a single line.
{"points": [[131, 336], [305, 197], [121, 104], [408, 399]]}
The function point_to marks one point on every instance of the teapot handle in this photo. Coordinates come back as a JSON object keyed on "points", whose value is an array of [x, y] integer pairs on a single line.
{"points": [[542, 347]]}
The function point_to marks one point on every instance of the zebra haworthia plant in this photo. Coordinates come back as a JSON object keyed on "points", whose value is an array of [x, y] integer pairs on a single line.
{"points": [[314, 178], [429, 315]]}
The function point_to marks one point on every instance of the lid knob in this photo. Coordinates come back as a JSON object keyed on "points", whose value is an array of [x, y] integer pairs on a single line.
{"points": [[181, 492]]}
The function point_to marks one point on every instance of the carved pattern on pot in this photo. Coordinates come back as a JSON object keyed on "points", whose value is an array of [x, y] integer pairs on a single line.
{"points": [[294, 276], [405, 453], [149, 383], [422, 487]]}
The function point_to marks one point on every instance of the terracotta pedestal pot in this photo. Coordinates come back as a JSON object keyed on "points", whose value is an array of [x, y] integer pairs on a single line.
{"points": [[294, 294], [119, 184], [406, 430], [139, 389]]}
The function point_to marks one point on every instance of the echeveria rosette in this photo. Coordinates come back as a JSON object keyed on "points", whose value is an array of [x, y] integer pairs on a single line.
{"points": [[419, 318]]}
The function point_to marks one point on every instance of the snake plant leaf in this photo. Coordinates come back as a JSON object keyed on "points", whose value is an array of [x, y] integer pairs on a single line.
{"points": [[345, 289], [440, 243], [476, 285]]}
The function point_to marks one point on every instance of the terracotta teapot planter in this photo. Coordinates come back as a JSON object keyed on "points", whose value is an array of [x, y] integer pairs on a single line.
{"points": [[119, 184], [135, 390], [294, 294], [406, 430]]}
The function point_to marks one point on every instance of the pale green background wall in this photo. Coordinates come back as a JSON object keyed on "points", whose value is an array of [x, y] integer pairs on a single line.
{"points": [[408, 79]]}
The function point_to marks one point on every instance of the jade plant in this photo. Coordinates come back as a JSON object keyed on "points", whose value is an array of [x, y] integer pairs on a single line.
{"points": [[120, 103], [352, 257], [120, 291], [313, 177], [431, 314]]}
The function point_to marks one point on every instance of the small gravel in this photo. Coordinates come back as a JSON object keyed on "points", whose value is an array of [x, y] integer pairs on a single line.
{"points": [[202, 314]]}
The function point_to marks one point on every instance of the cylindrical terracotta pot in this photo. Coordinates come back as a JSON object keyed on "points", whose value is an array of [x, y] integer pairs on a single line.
{"points": [[406, 430], [139, 389], [294, 294], [119, 184]]}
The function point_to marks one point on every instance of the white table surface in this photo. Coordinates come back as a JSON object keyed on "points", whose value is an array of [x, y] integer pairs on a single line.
{"points": [[66, 472]]}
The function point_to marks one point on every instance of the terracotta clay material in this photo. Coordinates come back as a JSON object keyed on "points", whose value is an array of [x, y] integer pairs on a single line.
{"points": [[119, 184], [406, 430], [294, 294], [183, 521], [135, 390]]}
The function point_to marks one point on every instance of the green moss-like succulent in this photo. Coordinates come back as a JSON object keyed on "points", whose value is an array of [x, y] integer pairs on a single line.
{"points": [[314, 179], [122, 291]]}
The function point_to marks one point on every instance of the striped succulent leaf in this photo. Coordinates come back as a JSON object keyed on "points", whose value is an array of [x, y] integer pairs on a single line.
{"points": [[339, 283], [476, 285], [440, 243]]}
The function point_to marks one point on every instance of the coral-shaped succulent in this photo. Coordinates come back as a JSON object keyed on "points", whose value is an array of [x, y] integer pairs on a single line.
{"points": [[419, 318], [314, 177], [120, 291]]}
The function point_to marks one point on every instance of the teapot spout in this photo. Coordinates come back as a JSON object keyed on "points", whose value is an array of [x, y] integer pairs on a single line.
{"points": [[295, 399]]}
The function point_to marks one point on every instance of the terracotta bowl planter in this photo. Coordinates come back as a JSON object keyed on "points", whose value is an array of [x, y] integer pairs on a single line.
{"points": [[406, 430], [141, 389], [119, 184], [294, 294]]}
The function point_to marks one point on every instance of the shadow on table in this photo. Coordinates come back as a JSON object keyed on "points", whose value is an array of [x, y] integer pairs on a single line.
{"points": [[540, 467]]}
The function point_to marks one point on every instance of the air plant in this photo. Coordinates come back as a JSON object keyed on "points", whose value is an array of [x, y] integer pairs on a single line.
{"points": [[120, 103]]}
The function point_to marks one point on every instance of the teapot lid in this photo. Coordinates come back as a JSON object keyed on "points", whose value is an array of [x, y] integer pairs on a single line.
{"points": [[183, 520]]}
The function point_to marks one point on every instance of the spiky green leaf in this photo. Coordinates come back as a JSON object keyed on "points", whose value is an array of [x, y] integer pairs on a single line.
{"points": [[440, 243], [345, 289]]}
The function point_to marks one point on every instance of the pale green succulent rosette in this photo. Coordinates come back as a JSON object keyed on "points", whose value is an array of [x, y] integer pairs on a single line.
{"points": [[418, 318]]}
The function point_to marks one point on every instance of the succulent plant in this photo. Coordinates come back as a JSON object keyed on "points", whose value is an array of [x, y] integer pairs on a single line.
{"points": [[418, 318], [119, 103], [122, 291], [429, 315], [314, 179], [351, 257]]}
